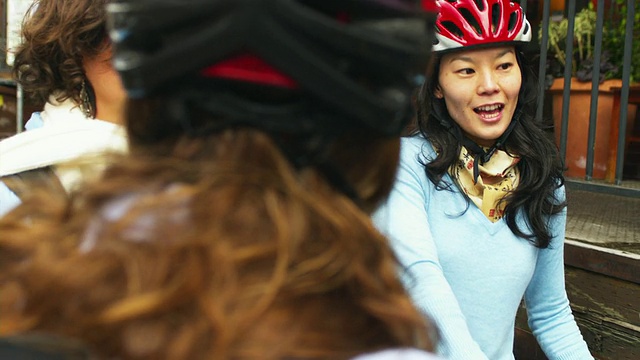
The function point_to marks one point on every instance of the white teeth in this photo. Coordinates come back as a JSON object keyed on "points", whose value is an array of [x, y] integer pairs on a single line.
{"points": [[488, 107]]}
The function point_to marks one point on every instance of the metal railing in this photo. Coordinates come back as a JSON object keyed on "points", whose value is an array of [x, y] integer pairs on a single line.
{"points": [[615, 175]]}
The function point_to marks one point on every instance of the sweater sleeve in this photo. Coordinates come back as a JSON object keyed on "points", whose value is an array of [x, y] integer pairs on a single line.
{"points": [[403, 219], [548, 309], [8, 200]]}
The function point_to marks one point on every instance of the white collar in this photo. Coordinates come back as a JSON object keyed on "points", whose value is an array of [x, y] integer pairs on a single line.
{"points": [[55, 112]]}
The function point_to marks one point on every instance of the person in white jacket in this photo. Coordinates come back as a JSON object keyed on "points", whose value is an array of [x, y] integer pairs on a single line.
{"points": [[63, 64]]}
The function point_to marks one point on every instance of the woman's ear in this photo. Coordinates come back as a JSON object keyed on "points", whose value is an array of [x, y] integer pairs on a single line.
{"points": [[437, 92]]}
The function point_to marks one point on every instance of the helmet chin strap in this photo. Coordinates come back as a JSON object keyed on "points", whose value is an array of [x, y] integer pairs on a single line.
{"points": [[480, 156]]}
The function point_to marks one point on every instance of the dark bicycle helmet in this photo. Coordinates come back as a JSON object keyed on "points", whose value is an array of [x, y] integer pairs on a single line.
{"points": [[466, 23], [360, 59]]}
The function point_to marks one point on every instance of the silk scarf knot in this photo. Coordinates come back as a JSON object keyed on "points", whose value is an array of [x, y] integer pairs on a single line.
{"points": [[497, 177]]}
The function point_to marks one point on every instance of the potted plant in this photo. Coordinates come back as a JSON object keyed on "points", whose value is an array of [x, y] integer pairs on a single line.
{"points": [[613, 40], [582, 64]]}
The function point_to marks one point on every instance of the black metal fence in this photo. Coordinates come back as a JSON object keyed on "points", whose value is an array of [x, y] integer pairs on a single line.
{"points": [[604, 15]]}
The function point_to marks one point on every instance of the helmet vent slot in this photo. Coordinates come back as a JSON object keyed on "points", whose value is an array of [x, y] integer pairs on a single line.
{"points": [[513, 20], [495, 17], [455, 30], [480, 4], [468, 15]]}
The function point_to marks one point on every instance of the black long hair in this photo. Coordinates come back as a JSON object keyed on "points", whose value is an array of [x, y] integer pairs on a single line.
{"points": [[540, 165]]}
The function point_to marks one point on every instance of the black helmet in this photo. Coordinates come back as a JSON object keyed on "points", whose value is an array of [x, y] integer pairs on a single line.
{"points": [[358, 60]]}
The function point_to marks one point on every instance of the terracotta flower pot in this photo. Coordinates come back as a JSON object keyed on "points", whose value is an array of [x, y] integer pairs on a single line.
{"points": [[578, 129]]}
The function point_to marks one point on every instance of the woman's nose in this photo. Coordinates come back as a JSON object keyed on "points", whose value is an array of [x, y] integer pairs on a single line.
{"points": [[487, 83]]}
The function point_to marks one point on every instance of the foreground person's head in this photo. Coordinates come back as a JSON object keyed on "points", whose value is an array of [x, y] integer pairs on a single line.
{"points": [[329, 82]]}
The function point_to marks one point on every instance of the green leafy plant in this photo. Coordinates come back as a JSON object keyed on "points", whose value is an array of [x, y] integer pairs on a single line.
{"points": [[584, 44], [613, 39]]}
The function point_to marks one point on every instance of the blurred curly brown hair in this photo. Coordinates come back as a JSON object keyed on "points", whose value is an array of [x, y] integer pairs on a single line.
{"points": [[57, 36], [218, 249]]}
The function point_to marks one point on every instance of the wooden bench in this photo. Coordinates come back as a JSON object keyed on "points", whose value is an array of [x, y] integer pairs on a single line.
{"points": [[604, 289]]}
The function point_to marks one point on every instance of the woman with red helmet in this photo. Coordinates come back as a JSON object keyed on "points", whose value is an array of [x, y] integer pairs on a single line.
{"points": [[261, 134], [477, 215]]}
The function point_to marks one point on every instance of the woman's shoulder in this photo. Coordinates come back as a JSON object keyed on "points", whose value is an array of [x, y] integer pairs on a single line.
{"points": [[416, 146], [59, 143], [398, 354], [417, 142]]}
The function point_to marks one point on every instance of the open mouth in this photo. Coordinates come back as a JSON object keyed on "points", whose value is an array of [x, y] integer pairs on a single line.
{"points": [[489, 108], [489, 111]]}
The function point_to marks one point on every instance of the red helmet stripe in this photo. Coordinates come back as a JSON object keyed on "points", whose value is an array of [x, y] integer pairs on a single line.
{"points": [[249, 68]]}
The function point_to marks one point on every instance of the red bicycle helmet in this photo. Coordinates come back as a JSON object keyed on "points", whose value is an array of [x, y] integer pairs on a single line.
{"points": [[465, 23]]}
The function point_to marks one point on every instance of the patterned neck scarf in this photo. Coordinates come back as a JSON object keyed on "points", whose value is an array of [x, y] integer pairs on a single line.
{"points": [[498, 176]]}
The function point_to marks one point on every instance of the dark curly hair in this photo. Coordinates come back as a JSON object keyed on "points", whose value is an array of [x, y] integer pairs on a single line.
{"points": [[58, 35], [540, 164]]}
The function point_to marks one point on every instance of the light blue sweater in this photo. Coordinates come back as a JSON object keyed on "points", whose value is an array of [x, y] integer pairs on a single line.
{"points": [[469, 274], [9, 200]]}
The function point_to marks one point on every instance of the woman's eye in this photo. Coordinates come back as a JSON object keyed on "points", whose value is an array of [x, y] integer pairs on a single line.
{"points": [[466, 71], [505, 66]]}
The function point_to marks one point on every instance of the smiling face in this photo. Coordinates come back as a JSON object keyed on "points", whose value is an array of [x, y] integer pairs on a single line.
{"points": [[480, 89]]}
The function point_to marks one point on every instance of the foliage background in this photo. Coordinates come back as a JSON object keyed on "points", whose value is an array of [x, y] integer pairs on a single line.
{"points": [[584, 43]]}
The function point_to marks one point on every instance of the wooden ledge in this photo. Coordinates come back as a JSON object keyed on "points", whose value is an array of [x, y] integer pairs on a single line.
{"points": [[610, 262]]}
